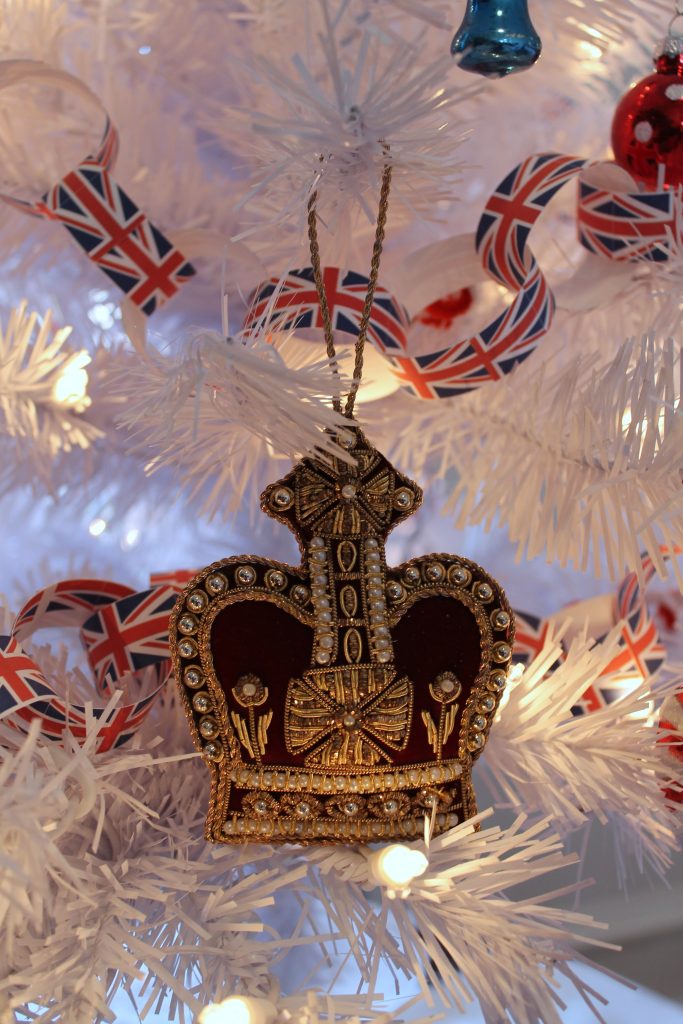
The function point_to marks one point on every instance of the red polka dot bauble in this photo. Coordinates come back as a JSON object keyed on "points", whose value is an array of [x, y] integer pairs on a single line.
{"points": [[647, 130]]}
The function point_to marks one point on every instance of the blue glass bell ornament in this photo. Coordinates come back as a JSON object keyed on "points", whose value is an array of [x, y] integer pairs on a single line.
{"points": [[496, 38]]}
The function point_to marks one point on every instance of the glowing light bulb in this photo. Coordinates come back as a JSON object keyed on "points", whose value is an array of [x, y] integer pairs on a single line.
{"points": [[97, 527], [239, 1010], [131, 539], [71, 387], [397, 865]]}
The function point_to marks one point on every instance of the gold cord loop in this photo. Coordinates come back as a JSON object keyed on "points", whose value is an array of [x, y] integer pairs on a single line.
{"points": [[369, 297]]}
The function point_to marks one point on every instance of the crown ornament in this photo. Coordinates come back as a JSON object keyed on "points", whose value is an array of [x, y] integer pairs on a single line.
{"points": [[342, 700]]}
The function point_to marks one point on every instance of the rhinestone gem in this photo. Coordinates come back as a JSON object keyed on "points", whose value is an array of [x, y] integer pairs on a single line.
{"points": [[483, 591], [303, 809], [486, 703], [412, 574], [496, 681], [193, 677], [281, 498], [395, 591], [196, 601], [187, 648], [390, 806], [245, 575], [300, 593], [216, 583], [249, 689], [459, 575], [208, 727], [475, 742], [214, 751], [260, 806], [403, 499], [435, 572], [275, 579], [348, 491], [478, 723], [201, 702], [502, 652], [500, 619], [351, 807], [187, 624]]}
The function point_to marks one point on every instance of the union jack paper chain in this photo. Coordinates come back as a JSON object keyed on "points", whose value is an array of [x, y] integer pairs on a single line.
{"points": [[128, 618], [618, 225], [641, 652], [501, 241], [105, 222], [625, 225]]}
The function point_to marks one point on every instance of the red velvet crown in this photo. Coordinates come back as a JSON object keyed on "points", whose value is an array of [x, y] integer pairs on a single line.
{"points": [[340, 700]]}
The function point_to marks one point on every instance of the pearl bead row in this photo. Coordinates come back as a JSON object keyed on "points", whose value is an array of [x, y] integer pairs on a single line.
{"points": [[310, 782], [337, 828], [379, 633], [325, 637]]}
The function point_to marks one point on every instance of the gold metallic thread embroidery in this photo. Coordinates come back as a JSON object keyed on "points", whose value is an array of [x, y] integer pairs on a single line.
{"points": [[348, 716]]}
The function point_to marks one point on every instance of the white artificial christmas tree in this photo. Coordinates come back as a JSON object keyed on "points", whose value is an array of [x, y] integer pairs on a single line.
{"points": [[135, 440]]}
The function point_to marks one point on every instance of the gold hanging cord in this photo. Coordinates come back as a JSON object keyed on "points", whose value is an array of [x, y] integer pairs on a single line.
{"points": [[369, 297]]}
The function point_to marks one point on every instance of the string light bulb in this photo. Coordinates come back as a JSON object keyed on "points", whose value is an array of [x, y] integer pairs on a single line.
{"points": [[70, 389], [397, 865], [239, 1010]]}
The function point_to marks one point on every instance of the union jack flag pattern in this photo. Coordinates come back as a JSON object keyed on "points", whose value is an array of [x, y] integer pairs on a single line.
{"points": [[26, 694], [68, 603], [640, 655], [113, 232], [292, 302], [531, 634], [513, 209], [176, 578], [129, 635], [117, 236], [625, 225]]}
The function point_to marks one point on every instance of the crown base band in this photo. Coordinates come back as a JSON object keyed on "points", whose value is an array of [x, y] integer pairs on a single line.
{"points": [[375, 814]]}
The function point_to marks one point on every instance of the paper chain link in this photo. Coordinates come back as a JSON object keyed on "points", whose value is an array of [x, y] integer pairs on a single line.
{"points": [[101, 218]]}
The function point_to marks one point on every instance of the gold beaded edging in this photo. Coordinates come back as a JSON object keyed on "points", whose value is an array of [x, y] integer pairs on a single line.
{"points": [[419, 578]]}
